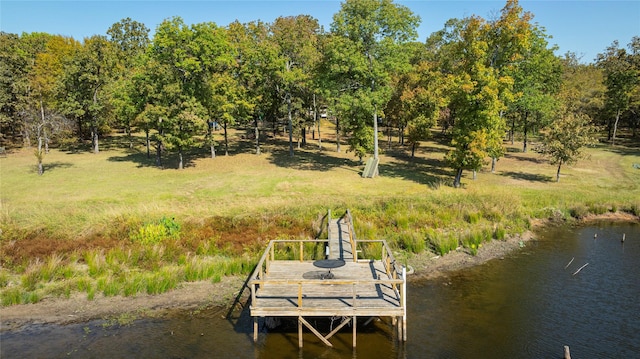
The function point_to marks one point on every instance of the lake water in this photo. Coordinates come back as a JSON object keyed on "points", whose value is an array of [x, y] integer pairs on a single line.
{"points": [[527, 305]]}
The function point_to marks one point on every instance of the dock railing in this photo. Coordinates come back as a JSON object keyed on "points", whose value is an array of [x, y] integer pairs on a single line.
{"points": [[352, 234], [394, 271]]}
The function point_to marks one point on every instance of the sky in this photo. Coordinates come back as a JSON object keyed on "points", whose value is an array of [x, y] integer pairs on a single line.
{"points": [[584, 27]]}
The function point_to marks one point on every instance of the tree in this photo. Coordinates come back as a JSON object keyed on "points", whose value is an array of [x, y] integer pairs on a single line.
{"points": [[621, 78], [537, 79], [175, 79], [253, 70], [475, 97], [297, 47], [129, 40], [564, 140], [86, 76], [38, 109], [218, 92], [367, 36], [582, 90], [418, 98]]}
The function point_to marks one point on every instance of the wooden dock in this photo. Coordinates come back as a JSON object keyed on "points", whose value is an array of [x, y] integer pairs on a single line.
{"points": [[287, 284]]}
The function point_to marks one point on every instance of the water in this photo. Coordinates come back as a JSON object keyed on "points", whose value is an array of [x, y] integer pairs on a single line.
{"points": [[524, 306], [529, 306]]}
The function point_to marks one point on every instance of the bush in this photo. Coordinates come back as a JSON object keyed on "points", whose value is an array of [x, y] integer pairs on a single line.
{"points": [[412, 242], [156, 232], [579, 211], [443, 243], [500, 233]]}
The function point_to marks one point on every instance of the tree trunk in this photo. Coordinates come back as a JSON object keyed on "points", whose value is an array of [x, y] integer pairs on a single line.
{"points": [[525, 128], [319, 136], [180, 163], [337, 135], [39, 154], [389, 137], [375, 132], [493, 164], [290, 125], [94, 125], [159, 154], [46, 140], [558, 172], [316, 121], [226, 140], [127, 130], [96, 146], [615, 128], [458, 178], [26, 142], [304, 137], [413, 150], [475, 175], [212, 142], [148, 142], [257, 134]]}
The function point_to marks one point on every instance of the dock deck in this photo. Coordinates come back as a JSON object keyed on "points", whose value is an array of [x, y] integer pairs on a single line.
{"points": [[294, 287]]}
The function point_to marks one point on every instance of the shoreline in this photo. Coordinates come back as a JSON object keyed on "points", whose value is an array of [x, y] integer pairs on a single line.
{"points": [[200, 295]]}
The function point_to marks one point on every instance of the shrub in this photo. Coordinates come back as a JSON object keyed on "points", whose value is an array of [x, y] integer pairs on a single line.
{"points": [[472, 218], [443, 243], [598, 208], [156, 232], [499, 233], [579, 211], [412, 242], [11, 296]]}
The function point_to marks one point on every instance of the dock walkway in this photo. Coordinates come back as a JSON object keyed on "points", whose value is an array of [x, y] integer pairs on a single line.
{"points": [[294, 287]]}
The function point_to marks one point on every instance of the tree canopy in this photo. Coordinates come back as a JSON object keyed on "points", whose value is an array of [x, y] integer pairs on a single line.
{"points": [[481, 82]]}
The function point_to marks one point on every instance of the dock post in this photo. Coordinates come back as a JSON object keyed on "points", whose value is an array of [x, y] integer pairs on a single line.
{"points": [[255, 329], [299, 332], [404, 303], [354, 331]]}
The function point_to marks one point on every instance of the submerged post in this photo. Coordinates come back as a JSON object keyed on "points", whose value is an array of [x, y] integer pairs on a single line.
{"points": [[404, 303]]}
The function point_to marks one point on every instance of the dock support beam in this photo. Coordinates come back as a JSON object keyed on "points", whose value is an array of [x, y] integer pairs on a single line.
{"points": [[354, 331], [255, 329]]}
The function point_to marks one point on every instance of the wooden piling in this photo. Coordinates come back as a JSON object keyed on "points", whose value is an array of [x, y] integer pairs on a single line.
{"points": [[567, 353]]}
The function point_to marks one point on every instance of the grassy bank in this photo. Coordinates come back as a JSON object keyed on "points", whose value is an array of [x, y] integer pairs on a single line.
{"points": [[114, 224]]}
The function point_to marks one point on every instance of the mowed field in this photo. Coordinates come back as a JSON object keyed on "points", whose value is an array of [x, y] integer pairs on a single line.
{"points": [[82, 193]]}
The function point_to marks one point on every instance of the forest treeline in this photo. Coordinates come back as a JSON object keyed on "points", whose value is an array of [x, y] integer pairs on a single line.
{"points": [[482, 81]]}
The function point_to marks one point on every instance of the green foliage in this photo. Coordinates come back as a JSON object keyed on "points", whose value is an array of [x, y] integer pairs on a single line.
{"points": [[474, 239], [11, 296], [442, 243], [564, 140], [157, 232], [500, 233], [579, 211], [410, 241]]}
